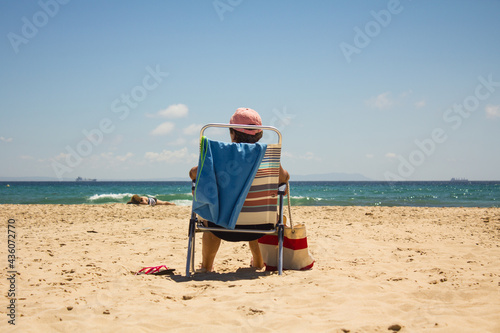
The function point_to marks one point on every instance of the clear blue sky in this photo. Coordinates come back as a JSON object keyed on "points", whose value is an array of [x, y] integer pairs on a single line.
{"points": [[405, 90]]}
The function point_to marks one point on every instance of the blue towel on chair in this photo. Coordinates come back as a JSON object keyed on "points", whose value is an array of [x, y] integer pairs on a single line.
{"points": [[225, 174]]}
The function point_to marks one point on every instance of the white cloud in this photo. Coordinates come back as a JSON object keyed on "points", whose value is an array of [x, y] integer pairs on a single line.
{"points": [[370, 156], [125, 157], [61, 157], [193, 129], [420, 104], [169, 156], [309, 156], [5, 139], [492, 111], [118, 158], [382, 101], [387, 100], [390, 155], [163, 128], [173, 111]]}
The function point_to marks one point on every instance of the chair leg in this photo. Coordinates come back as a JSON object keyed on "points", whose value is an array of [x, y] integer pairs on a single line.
{"points": [[194, 250], [190, 250], [280, 248], [281, 228]]}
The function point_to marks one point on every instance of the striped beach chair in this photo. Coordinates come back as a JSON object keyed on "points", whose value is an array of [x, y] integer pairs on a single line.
{"points": [[262, 211]]}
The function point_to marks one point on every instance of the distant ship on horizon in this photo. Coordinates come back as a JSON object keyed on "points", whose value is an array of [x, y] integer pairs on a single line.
{"points": [[80, 179]]}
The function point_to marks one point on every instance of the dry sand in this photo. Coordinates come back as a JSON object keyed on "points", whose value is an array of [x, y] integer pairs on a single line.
{"points": [[378, 269]]}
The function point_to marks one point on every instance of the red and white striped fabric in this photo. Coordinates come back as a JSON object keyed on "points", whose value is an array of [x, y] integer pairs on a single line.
{"points": [[295, 251]]}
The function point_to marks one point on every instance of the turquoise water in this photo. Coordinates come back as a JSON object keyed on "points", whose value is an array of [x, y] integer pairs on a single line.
{"points": [[415, 194]]}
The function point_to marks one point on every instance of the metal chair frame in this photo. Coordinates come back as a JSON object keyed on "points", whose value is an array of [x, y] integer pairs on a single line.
{"points": [[195, 225]]}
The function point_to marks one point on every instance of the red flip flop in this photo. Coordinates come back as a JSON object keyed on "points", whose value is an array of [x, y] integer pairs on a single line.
{"points": [[156, 270]]}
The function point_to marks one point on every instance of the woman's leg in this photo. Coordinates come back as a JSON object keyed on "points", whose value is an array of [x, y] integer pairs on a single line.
{"points": [[210, 246], [257, 260], [160, 202]]}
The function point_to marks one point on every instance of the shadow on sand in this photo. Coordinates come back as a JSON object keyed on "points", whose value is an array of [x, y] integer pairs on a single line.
{"points": [[247, 273]]}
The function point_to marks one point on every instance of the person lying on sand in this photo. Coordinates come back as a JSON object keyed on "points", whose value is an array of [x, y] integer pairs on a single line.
{"points": [[138, 200]]}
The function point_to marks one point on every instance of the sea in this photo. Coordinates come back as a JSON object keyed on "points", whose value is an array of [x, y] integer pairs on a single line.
{"points": [[303, 193]]}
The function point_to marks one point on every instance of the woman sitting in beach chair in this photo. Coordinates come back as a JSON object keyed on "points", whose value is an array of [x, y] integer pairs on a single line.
{"points": [[211, 240]]}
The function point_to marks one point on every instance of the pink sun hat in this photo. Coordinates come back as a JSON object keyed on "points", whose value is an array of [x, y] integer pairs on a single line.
{"points": [[246, 116]]}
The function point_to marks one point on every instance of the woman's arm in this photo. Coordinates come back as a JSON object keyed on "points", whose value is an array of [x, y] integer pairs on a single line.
{"points": [[284, 176]]}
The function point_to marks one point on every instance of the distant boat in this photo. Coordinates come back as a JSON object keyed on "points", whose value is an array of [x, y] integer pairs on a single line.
{"points": [[459, 180], [80, 179]]}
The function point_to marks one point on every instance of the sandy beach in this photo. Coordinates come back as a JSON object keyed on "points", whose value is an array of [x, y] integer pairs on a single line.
{"points": [[378, 269]]}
